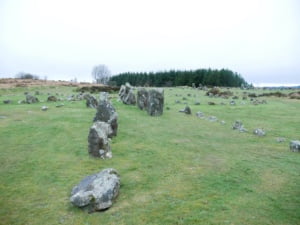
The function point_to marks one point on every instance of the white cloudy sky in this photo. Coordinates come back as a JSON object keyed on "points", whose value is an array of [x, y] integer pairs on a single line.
{"points": [[63, 39]]}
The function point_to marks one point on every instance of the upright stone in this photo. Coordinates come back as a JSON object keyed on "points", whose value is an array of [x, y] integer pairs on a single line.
{"points": [[155, 102], [126, 94], [142, 98], [91, 101], [99, 141], [107, 113]]}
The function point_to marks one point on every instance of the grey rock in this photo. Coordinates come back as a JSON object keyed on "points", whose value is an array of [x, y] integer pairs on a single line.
{"points": [[259, 132], [197, 103], [91, 101], [44, 108], [107, 113], [187, 110], [7, 101], [212, 119], [295, 146], [177, 101], [155, 102], [280, 139], [60, 105], [142, 98], [126, 94], [98, 191], [238, 125], [31, 99], [200, 115], [99, 143], [232, 102], [211, 103], [51, 98]]}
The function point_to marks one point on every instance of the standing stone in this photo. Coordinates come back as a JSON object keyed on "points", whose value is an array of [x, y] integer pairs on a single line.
{"points": [[295, 146], [99, 141], [142, 98], [98, 191], [91, 101], [31, 99], [126, 94], [155, 102], [107, 113]]}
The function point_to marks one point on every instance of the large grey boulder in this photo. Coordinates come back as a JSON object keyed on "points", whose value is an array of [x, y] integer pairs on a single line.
{"points": [[155, 102], [98, 191], [98, 139], [31, 99], [142, 98], [107, 113], [127, 95], [295, 146]]}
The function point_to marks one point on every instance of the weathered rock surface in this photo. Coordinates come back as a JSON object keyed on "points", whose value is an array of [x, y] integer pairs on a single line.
{"points": [[31, 99], [142, 98], [126, 94], [98, 191], [91, 101], [295, 146], [107, 113], [155, 103], [259, 132], [99, 140]]}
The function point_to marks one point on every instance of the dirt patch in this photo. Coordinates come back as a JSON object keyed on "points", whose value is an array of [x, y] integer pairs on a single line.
{"points": [[13, 82]]}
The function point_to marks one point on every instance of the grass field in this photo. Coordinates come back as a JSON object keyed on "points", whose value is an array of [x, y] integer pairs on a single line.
{"points": [[175, 169]]}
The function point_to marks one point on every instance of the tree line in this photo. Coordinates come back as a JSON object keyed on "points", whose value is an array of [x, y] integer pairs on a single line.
{"points": [[208, 77]]}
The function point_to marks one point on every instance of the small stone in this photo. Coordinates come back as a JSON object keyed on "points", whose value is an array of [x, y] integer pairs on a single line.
{"points": [[259, 132], [44, 108], [295, 146], [7, 101], [280, 139], [200, 115], [187, 110]]}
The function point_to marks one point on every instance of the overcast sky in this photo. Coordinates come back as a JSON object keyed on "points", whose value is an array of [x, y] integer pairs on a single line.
{"points": [[63, 39]]}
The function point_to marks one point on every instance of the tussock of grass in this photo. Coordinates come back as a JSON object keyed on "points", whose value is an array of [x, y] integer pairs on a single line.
{"points": [[175, 169]]}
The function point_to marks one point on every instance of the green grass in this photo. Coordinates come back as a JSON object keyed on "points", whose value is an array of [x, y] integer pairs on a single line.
{"points": [[175, 169]]}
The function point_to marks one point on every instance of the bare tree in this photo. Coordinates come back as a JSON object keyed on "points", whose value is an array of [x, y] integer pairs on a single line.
{"points": [[101, 74]]}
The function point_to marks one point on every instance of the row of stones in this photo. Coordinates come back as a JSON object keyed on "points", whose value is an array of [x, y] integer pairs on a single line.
{"points": [[98, 191]]}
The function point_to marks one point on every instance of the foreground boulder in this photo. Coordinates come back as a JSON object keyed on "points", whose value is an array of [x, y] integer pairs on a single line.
{"points": [[98, 191], [98, 140], [295, 146], [142, 98], [126, 94], [31, 99]]}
